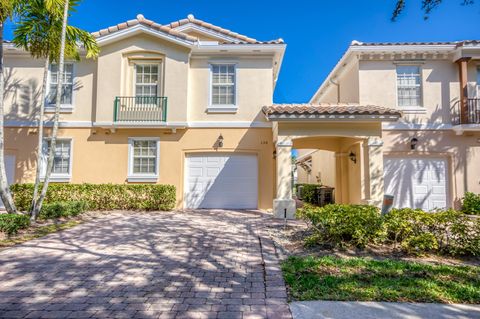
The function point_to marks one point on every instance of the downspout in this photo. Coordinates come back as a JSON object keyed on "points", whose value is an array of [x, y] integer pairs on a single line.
{"points": [[338, 89]]}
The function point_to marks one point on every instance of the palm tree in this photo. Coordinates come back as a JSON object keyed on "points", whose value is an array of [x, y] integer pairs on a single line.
{"points": [[38, 31], [7, 9]]}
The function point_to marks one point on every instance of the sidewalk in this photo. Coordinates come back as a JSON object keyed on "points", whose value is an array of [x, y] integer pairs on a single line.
{"points": [[391, 310]]}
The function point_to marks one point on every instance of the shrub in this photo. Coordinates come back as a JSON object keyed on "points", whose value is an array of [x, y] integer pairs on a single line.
{"points": [[457, 233], [420, 243], [357, 225], [63, 209], [102, 196], [401, 224], [447, 231], [414, 230], [10, 224], [309, 192], [471, 204]]}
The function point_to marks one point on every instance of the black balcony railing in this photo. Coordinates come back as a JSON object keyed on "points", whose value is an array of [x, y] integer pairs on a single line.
{"points": [[140, 109], [471, 114]]}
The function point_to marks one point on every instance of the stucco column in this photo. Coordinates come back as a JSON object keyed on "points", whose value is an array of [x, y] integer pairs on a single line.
{"points": [[373, 171], [284, 201]]}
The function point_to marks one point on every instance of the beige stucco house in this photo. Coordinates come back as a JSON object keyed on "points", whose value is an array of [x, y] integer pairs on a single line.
{"points": [[427, 159], [179, 104], [191, 104]]}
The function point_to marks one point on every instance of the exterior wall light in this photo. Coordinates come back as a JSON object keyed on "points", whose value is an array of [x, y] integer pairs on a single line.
{"points": [[353, 157], [220, 141], [413, 143]]}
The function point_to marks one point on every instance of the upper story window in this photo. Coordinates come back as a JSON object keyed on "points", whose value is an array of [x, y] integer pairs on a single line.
{"points": [[67, 84], [62, 160], [146, 79], [409, 86], [223, 88]]}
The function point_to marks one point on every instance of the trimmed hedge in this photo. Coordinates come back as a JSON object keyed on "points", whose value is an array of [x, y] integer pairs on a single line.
{"points": [[102, 196], [414, 231], [63, 209], [10, 224], [471, 204]]}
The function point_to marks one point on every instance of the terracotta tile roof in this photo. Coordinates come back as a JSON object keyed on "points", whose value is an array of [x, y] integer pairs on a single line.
{"points": [[277, 41], [149, 23], [243, 39], [170, 29], [329, 109], [456, 43], [192, 19]]}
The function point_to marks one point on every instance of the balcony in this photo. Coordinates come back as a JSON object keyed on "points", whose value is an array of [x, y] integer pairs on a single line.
{"points": [[471, 114], [469, 119], [140, 109]]}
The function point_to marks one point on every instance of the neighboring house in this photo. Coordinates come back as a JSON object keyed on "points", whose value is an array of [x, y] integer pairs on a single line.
{"points": [[176, 104], [431, 157], [315, 167]]}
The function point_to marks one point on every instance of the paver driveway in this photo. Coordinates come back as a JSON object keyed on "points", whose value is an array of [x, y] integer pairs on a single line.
{"points": [[212, 264]]}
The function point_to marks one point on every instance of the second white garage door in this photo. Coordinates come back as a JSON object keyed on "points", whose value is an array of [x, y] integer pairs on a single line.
{"points": [[417, 182], [221, 181]]}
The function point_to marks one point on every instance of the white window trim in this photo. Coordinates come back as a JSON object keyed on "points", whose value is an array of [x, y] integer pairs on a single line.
{"points": [[222, 108], [64, 108], [55, 177], [142, 178], [413, 109]]}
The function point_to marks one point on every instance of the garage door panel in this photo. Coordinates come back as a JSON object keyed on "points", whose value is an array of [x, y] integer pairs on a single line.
{"points": [[420, 189], [228, 181], [417, 182], [196, 171]]}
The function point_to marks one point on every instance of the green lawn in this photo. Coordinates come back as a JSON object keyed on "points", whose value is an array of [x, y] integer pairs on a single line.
{"points": [[37, 233], [363, 279]]}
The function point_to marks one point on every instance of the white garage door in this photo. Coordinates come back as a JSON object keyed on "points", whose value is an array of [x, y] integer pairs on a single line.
{"points": [[221, 181], [417, 182], [10, 168]]}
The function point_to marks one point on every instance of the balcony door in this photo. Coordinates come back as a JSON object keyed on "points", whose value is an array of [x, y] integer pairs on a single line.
{"points": [[147, 83], [478, 82]]}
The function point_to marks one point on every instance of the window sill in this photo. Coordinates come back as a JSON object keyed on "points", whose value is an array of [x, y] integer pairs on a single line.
{"points": [[222, 109], [58, 178], [142, 178], [412, 109], [63, 109]]}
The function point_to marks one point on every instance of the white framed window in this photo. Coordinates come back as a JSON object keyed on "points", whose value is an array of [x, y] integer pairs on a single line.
{"points": [[67, 84], [62, 160], [409, 86], [143, 159], [146, 79], [223, 87]]}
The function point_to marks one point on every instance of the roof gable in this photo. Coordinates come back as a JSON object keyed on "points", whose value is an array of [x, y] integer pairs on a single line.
{"points": [[178, 31]]}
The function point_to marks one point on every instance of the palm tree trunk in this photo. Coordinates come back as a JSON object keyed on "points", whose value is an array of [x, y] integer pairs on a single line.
{"points": [[33, 213], [5, 194], [56, 117]]}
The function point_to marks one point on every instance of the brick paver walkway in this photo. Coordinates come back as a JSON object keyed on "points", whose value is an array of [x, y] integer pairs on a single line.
{"points": [[205, 264]]}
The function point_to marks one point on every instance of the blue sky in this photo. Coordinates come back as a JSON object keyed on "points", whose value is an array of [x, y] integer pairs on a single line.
{"points": [[316, 32]]}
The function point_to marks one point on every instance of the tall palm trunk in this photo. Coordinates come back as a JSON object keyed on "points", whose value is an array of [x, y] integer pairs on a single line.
{"points": [[56, 117], [5, 194], [34, 213]]}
